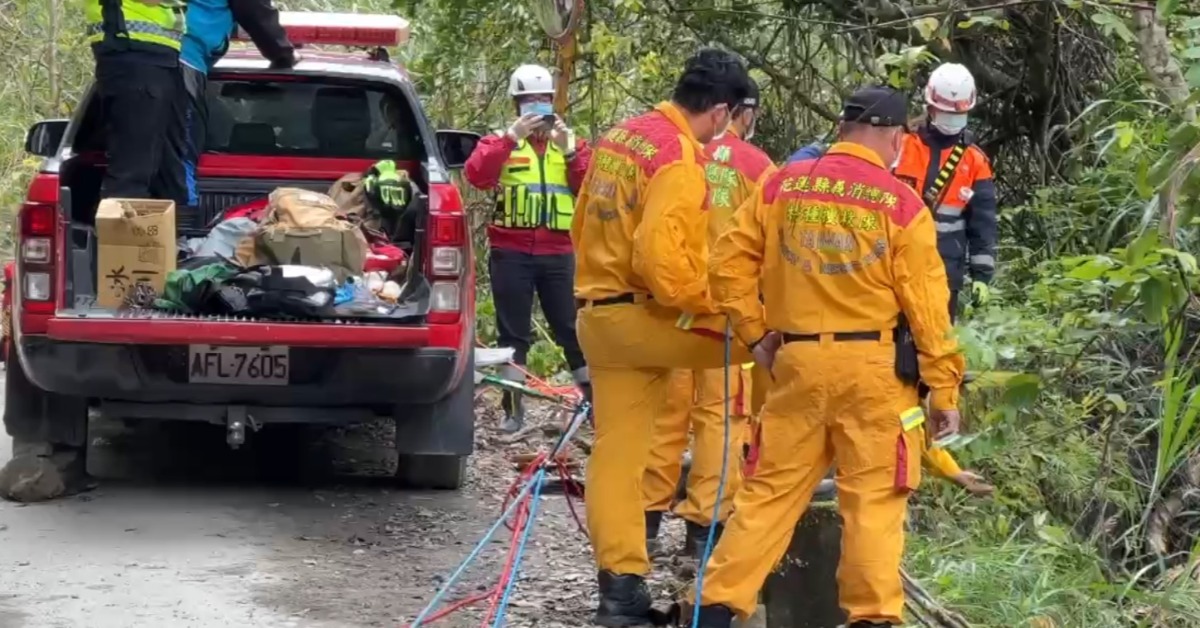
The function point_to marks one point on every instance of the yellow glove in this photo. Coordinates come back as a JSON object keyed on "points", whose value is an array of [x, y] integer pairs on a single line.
{"points": [[980, 293]]}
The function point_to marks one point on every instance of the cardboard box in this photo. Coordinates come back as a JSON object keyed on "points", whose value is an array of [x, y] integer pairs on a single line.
{"points": [[136, 244]]}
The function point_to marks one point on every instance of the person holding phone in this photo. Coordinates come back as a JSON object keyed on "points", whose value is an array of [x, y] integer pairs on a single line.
{"points": [[535, 167]]}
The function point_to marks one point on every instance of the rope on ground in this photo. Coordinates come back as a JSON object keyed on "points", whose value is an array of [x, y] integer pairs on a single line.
{"points": [[567, 395], [524, 507]]}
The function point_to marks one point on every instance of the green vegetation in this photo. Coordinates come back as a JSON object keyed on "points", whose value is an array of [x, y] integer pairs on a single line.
{"points": [[1087, 412]]}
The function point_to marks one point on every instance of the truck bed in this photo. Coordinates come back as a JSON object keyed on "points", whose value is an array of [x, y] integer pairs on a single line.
{"points": [[216, 196]]}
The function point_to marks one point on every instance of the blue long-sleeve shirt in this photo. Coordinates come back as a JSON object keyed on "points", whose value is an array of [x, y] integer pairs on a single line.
{"points": [[210, 24], [812, 151]]}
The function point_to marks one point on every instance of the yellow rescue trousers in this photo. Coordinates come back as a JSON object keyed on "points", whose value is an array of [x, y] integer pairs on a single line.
{"points": [[828, 399], [696, 400], [631, 350]]}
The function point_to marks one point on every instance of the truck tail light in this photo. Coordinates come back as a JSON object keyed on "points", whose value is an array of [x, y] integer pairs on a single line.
{"points": [[449, 254], [37, 233], [37, 255]]}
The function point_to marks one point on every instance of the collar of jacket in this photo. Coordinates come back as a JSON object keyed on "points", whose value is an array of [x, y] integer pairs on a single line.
{"points": [[856, 150], [676, 116]]}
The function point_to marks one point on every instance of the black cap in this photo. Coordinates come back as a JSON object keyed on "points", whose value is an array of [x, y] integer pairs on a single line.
{"points": [[876, 106], [751, 99]]}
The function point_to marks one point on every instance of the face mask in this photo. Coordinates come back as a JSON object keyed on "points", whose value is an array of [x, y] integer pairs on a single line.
{"points": [[949, 123], [539, 108], [722, 126], [750, 131], [899, 154]]}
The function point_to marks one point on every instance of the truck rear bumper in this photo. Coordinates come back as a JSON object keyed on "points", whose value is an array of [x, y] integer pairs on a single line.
{"points": [[319, 376]]}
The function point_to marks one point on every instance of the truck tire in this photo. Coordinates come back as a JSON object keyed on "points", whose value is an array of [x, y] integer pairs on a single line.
{"points": [[33, 415], [434, 440], [431, 472]]}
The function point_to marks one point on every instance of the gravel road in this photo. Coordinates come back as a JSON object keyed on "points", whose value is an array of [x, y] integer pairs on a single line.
{"points": [[182, 532]]}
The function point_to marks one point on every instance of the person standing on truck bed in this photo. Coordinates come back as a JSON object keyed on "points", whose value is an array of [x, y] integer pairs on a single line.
{"points": [[536, 166], [136, 46], [209, 26]]}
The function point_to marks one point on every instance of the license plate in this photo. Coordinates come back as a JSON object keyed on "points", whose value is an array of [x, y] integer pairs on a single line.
{"points": [[246, 366]]}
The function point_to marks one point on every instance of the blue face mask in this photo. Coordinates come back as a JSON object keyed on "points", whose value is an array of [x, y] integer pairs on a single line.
{"points": [[539, 108]]}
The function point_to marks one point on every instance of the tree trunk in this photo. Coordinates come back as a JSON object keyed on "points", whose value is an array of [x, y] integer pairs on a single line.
{"points": [[1154, 49]]}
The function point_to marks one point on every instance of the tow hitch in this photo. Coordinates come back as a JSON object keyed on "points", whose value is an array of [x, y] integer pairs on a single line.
{"points": [[236, 420]]}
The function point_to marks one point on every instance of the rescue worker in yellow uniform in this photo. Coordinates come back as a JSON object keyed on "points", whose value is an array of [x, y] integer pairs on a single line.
{"points": [[696, 399], [841, 249], [953, 176], [641, 239]]}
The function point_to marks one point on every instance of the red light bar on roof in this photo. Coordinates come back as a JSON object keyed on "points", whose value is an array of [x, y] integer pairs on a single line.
{"points": [[341, 29]]}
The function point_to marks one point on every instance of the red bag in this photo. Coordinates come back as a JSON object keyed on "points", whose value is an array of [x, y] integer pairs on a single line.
{"points": [[253, 210], [384, 257]]}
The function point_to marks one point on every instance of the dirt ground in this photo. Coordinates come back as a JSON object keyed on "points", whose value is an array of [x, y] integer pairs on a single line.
{"points": [[299, 528]]}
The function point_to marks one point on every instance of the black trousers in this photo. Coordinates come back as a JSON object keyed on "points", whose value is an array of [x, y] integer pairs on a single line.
{"points": [[516, 277], [143, 109], [189, 145]]}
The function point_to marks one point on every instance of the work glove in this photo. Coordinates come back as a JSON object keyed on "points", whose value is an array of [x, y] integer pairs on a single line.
{"points": [[524, 126], [387, 187], [980, 293]]}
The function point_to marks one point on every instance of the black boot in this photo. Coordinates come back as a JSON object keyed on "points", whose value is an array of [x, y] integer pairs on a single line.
{"points": [[697, 539], [712, 617], [653, 523], [512, 402], [870, 624], [624, 601], [514, 412]]}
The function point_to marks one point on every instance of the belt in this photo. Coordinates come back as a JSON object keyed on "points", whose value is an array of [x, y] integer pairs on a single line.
{"points": [[628, 297], [840, 336]]}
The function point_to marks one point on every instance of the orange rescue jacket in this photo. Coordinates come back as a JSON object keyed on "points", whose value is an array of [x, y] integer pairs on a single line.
{"points": [[735, 168], [841, 246], [640, 222]]}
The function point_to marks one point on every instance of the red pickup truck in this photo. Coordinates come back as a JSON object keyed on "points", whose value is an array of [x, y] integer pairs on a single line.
{"points": [[333, 114]]}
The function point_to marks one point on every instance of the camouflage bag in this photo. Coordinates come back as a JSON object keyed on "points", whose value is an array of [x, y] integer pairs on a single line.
{"points": [[306, 228]]}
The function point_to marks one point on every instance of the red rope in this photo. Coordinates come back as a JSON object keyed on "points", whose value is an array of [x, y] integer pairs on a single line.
{"points": [[569, 392], [521, 516], [450, 609], [506, 574]]}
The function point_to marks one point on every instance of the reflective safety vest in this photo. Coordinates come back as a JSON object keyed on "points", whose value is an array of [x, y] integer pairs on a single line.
{"points": [[159, 22], [536, 192]]}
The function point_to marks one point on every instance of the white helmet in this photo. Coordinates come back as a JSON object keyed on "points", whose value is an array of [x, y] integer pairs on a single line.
{"points": [[951, 88], [530, 79]]}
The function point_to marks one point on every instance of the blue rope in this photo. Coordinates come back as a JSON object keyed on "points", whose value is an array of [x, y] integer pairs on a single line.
{"points": [[437, 598], [712, 528], [539, 480], [535, 484]]}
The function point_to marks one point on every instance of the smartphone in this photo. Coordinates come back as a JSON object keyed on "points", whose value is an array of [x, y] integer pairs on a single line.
{"points": [[549, 119]]}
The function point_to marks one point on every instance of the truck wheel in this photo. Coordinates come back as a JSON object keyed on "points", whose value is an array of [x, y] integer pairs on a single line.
{"points": [[33, 415], [441, 473], [434, 440]]}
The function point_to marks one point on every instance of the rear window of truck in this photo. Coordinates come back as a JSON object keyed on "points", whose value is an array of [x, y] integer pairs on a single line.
{"points": [[295, 119], [305, 119]]}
